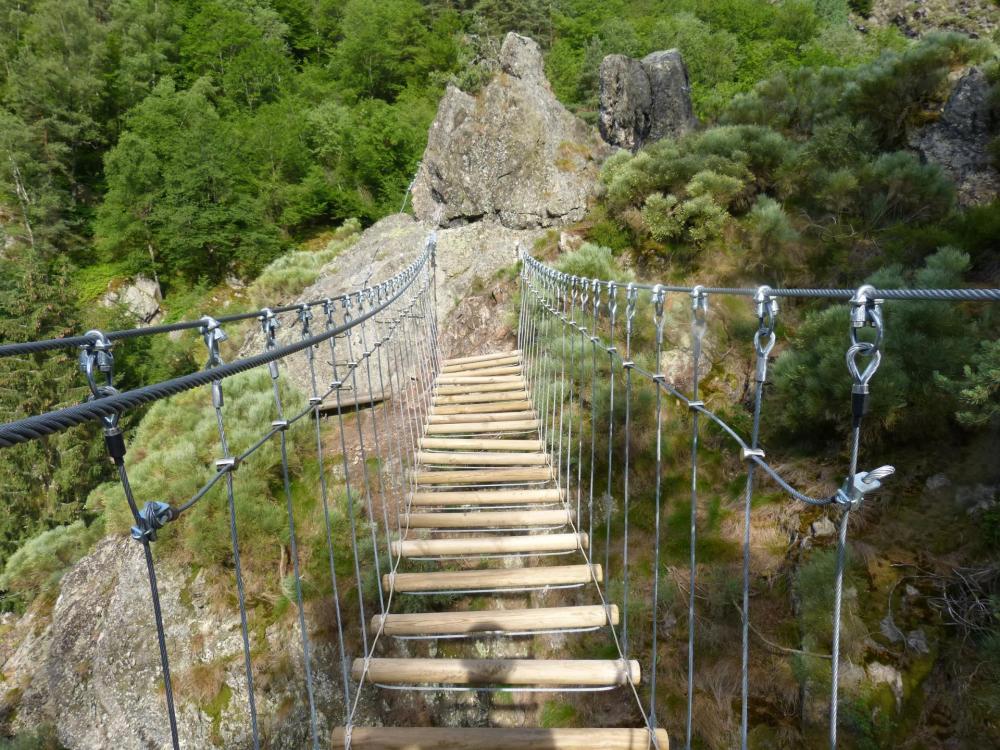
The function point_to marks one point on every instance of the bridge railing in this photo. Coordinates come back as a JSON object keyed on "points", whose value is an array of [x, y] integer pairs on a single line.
{"points": [[595, 356], [383, 335]]}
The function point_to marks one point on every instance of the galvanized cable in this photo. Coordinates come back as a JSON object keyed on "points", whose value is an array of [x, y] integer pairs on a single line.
{"points": [[269, 324], [213, 334], [699, 309], [631, 296], [658, 299]]}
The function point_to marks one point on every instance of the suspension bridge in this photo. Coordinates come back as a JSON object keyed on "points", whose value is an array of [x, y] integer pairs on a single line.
{"points": [[487, 494]]}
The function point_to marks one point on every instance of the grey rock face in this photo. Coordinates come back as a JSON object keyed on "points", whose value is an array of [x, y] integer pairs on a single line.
{"points": [[959, 140], [512, 153], [644, 100], [141, 297], [94, 671]]}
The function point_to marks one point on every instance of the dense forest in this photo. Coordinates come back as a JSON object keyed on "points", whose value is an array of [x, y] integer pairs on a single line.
{"points": [[215, 144]]}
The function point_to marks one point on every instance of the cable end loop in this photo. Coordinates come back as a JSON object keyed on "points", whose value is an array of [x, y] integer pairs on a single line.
{"points": [[153, 517], [865, 482]]}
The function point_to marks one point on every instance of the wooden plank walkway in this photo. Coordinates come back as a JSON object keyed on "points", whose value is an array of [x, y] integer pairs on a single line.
{"points": [[487, 510]]}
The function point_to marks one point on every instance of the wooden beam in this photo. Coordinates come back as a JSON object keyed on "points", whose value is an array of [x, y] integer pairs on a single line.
{"points": [[474, 444], [479, 358], [483, 476], [505, 738], [485, 497], [458, 390], [477, 398], [496, 620], [483, 364], [489, 519], [512, 416], [484, 408], [526, 425], [442, 458], [541, 672], [498, 370], [478, 379], [490, 545], [494, 578]]}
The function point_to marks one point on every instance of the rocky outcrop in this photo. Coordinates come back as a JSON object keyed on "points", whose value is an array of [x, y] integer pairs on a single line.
{"points": [[512, 154], [93, 671], [959, 140], [141, 297], [915, 18], [644, 100]]}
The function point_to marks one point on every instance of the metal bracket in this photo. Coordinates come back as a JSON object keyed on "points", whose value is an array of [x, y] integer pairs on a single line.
{"points": [[695, 405], [749, 453], [280, 424], [227, 464], [864, 482], [153, 517]]}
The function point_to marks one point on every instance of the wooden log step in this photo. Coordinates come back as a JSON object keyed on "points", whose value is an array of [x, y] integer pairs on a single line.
{"points": [[510, 416], [479, 358], [490, 545], [478, 379], [458, 390], [496, 620], [483, 459], [473, 444], [484, 408], [509, 578], [487, 738], [483, 476], [540, 672], [485, 364], [499, 370], [489, 519], [485, 497], [525, 425], [478, 398]]}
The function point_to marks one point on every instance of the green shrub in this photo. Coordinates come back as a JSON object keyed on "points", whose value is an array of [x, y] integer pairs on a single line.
{"points": [[810, 400], [36, 568], [978, 390], [593, 262], [770, 226]]}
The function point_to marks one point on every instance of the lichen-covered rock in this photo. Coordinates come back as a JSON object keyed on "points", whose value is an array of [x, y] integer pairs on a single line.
{"points": [[959, 140], [92, 669], [626, 103], [512, 153], [141, 297], [644, 100]]}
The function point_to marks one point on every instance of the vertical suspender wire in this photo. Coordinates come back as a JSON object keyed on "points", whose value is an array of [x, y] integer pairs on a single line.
{"points": [[584, 299], [596, 289], [523, 306], [562, 380], [324, 497], [568, 332], [631, 296], [337, 385], [612, 311], [544, 349], [374, 422], [383, 335], [763, 341], [213, 335], [866, 311], [699, 302], [658, 297], [269, 323], [91, 358], [372, 522]]}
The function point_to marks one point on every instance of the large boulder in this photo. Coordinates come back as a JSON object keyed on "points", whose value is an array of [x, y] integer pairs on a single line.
{"points": [[644, 100], [141, 297], [959, 140], [512, 153]]}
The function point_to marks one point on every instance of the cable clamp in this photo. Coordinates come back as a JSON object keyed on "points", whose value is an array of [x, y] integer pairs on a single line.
{"points": [[851, 495], [227, 464], [280, 424], [659, 378], [595, 340], [336, 384], [695, 405], [315, 401], [612, 349], [749, 453], [153, 517], [352, 364], [628, 364]]}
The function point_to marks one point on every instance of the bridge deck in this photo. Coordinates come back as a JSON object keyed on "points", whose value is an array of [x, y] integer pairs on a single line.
{"points": [[491, 518]]}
